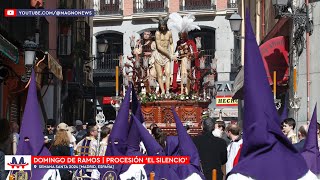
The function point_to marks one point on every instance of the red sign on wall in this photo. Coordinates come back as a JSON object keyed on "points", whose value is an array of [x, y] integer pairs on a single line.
{"points": [[274, 53], [106, 100]]}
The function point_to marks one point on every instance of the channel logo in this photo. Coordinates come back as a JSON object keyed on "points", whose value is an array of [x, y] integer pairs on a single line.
{"points": [[15, 162], [10, 12]]}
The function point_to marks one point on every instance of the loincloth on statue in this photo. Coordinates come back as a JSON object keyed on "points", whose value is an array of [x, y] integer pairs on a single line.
{"points": [[158, 58]]}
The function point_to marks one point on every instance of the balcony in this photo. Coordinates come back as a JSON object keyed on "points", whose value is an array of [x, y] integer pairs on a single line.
{"points": [[209, 54], [186, 5], [232, 4], [106, 66], [109, 7], [149, 6]]}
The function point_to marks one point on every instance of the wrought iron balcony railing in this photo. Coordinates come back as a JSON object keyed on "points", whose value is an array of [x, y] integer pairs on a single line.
{"points": [[145, 6], [232, 4], [109, 7], [197, 5], [209, 55], [107, 63]]}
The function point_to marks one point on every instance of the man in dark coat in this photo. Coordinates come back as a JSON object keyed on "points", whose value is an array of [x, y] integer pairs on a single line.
{"points": [[212, 150], [302, 134]]}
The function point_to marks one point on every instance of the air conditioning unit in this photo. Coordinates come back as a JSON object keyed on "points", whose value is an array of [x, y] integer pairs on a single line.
{"points": [[64, 45]]}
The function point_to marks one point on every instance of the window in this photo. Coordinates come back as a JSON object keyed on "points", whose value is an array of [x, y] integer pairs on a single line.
{"points": [[207, 36], [115, 42]]}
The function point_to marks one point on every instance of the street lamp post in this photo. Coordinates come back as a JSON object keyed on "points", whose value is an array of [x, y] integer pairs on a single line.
{"points": [[102, 47], [301, 24], [30, 48], [116, 103], [235, 21]]}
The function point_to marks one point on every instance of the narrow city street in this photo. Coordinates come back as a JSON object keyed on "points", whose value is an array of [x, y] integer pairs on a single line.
{"points": [[159, 89]]}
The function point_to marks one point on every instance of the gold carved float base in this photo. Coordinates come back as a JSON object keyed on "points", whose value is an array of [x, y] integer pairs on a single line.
{"points": [[190, 112]]}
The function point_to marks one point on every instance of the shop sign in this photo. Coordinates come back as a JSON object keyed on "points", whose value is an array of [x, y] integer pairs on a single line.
{"points": [[55, 67], [226, 101]]}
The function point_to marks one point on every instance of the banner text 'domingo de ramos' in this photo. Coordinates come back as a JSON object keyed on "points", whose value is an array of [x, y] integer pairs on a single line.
{"points": [[35, 160]]}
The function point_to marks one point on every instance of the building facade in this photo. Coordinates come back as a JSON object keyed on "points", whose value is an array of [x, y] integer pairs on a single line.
{"points": [[298, 85], [117, 21], [74, 52], [14, 74], [308, 72]]}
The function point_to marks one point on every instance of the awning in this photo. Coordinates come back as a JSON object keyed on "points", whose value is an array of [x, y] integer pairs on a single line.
{"points": [[275, 57], [9, 50], [282, 28], [238, 84]]}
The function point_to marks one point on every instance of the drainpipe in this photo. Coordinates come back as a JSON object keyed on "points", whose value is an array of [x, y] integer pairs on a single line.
{"points": [[262, 20], [308, 65], [242, 31], [258, 21]]}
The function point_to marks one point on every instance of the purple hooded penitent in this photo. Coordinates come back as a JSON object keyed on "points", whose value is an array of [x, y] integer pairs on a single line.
{"points": [[266, 153], [187, 148], [172, 146], [117, 145], [117, 142], [310, 150], [154, 149], [134, 136], [31, 133]]}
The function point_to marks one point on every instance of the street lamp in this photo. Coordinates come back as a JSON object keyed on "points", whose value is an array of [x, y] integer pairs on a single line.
{"points": [[235, 24], [102, 45], [30, 48], [280, 6]]}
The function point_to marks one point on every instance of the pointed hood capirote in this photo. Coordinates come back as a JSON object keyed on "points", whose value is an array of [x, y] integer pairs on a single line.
{"points": [[134, 135], [310, 150], [154, 149], [152, 146], [186, 145], [117, 142], [187, 148], [266, 153], [31, 132], [117, 145]]}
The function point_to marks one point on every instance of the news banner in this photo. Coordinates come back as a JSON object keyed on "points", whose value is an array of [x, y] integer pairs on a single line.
{"points": [[26, 162], [48, 12]]}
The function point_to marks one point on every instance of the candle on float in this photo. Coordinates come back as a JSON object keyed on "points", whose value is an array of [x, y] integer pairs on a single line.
{"points": [[117, 80], [274, 84], [214, 174], [11, 177], [152, 175], [295, 79]]}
